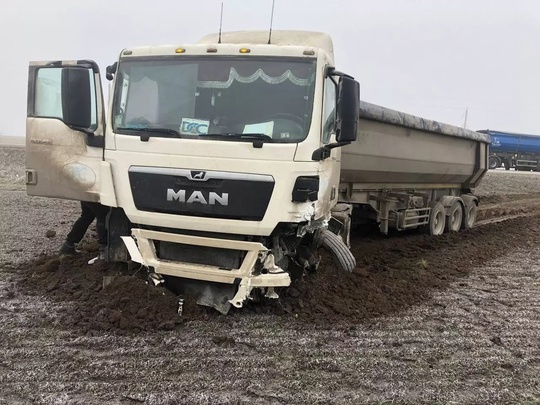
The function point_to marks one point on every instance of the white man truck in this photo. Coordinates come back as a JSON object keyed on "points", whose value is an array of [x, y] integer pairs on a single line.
{"points": [[228, 162]]}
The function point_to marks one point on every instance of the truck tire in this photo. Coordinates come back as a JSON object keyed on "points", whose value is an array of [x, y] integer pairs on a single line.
{"points": [[437, 220], [494, 162], [469, 216], [340, 252], [454, 217]]}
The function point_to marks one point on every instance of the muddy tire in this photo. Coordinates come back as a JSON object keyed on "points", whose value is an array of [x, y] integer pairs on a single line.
{"points": [[340, 253], [469, 216], [454, 219], [437, 220]]}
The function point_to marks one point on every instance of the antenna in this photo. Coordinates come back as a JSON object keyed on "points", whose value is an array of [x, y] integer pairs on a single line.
{"points": [[220, 23], [271, 21], [466, 114]]}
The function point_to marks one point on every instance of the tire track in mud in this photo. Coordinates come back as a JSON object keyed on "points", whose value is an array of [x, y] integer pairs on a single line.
{"points": [[495, 208]]}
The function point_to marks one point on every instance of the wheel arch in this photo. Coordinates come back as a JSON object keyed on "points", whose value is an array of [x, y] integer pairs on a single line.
{"points": [[448, 200], [469, 199]]}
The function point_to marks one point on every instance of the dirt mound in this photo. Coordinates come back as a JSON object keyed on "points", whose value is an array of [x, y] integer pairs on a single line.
{"points": [[392, 273], [102, 296]]}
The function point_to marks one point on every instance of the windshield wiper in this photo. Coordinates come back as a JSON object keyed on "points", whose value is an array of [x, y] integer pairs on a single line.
{"points": [[146, 131], [258, 139]]}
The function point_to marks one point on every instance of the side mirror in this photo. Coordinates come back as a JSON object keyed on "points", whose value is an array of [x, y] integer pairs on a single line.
{"points": [[77, 97], [348, 109]]}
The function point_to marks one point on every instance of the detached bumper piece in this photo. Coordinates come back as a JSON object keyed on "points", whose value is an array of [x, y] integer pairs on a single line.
{"points": [[142, 249]]}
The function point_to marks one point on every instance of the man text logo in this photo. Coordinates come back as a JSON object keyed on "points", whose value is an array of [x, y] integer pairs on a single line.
{"points": [[197, 197]]}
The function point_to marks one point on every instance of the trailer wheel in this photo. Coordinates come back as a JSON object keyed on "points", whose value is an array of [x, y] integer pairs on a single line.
{"points": [[454, 217], [340, 252], [437, 220], [494, 162], [469, 216]]}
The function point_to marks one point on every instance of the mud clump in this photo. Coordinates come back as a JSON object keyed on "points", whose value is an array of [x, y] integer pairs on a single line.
{"points": [[129, 304], [126, 303]]}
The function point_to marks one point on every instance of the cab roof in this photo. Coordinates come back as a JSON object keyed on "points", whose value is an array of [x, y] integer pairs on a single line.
{"points": [[311, 39]]}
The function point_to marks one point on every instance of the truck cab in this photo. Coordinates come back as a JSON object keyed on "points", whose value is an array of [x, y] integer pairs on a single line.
{"points": [[220, 160]]}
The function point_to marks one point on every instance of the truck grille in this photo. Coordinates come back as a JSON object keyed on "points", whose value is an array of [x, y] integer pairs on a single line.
{"points": [[201, 193]]}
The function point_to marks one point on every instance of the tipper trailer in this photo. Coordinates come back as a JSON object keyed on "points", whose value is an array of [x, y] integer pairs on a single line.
{"points": [[228, 162]]}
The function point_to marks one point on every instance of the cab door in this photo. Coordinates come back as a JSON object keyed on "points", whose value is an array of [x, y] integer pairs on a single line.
{"points": [[339, 124], [64, 130]]}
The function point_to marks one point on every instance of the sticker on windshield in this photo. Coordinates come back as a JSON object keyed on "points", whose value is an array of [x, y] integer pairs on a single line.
{"points": [[266, 128], [192, 126]]}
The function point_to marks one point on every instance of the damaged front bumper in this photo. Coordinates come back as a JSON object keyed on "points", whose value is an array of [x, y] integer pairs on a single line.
{"points": [[247, 277]]}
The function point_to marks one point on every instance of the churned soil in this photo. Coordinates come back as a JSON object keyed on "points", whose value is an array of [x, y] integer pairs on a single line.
{"points": [[393, 272], [401, 270]]}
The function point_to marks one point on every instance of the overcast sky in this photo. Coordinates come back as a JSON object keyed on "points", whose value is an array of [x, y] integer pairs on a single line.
{"points": [[432, 58]]}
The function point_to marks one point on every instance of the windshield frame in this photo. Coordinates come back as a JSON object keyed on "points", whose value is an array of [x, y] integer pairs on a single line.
{"points": [[309, 104]]}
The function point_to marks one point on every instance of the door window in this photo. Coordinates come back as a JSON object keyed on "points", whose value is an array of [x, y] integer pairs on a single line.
{"points": [[48, 101], [48, 94], [329, 110]]}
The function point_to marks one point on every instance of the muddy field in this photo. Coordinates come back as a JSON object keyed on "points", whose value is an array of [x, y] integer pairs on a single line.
{"points": [[454, 319]]}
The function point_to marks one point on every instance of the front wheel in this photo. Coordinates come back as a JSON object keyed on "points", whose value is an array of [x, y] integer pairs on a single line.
{"points": [[340, 252]]}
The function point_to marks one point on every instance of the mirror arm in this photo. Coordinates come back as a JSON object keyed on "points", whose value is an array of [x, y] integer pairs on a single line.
{"points": [[324, 152], [331, 71], [85, 131], [91, 138]]}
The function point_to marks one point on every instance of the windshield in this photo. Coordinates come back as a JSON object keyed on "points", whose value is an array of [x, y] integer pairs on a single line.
{"points": [[215, 98]]}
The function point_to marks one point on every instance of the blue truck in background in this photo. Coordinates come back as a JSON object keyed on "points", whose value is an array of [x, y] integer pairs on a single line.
{"points": [[512, 150]]}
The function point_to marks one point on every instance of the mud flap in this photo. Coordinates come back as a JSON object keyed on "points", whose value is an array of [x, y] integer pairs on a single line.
{"points": [[342, 213]]}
